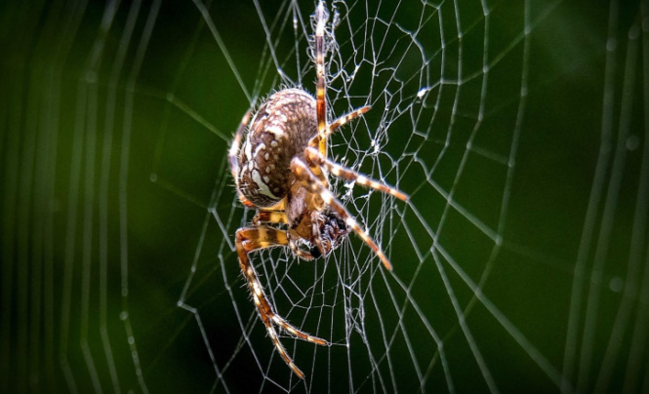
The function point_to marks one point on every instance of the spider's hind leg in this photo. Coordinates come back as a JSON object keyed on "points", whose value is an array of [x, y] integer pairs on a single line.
{"points": [[249, 239]]}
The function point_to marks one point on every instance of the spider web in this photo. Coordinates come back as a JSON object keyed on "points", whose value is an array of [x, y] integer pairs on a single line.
{"points": [[519, 129]]}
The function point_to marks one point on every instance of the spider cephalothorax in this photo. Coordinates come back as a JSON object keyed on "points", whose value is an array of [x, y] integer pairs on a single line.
{"points": [[281, 170]]}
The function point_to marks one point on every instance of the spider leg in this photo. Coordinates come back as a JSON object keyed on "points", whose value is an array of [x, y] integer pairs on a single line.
{"points": [[346, 119], [233, 158], [249, 239], [276, 214], [330, 129], [269, 217], [320, 140], [314, 158], [280, 217], [321, 104], [314, 185]]}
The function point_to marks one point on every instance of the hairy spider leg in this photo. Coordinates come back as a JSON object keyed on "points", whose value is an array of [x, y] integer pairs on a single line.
{"points": [[313, 142], [280, 217], [254, 238], [330, 129], [269, 217], [304, 175], [314, 158], [233, 156], [325, 130], [345, 119], [321, 104], [249, 239], [341, 121]]}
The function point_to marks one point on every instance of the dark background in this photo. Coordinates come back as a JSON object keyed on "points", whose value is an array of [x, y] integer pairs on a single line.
{"points": [[118, 211]]}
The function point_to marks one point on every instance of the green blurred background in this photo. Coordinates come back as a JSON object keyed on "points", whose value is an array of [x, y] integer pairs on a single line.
{"points": [[520, 262]]}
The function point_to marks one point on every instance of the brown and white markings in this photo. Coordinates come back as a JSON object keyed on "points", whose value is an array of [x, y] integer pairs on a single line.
{"points": [[280, 170]]}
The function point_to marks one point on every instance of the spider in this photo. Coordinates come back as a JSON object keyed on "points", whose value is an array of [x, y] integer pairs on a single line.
{"points": [[281, 170]]}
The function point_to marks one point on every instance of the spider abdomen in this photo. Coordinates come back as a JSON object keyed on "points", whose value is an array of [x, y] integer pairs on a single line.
{"points": [[280, 130]]}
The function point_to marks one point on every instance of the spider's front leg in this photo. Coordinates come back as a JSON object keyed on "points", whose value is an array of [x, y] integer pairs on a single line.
{"points": [[311, 182], [249, 239], [317, 160]]}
